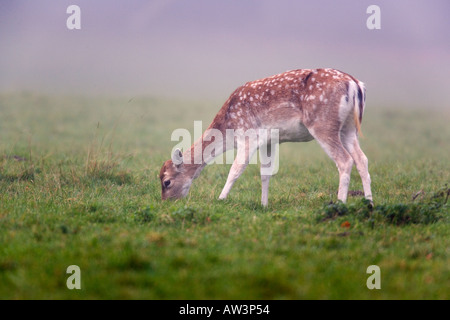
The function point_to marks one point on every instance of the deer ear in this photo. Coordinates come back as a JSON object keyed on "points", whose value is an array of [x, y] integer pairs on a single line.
{"points": [[177, 157]]}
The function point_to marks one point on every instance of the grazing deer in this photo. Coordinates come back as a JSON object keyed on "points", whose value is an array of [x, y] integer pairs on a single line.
{"points": [[322, 104]]}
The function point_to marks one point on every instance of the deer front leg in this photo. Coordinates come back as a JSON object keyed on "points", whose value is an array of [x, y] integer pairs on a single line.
{"points": [[235, 172], [240, 163], [265, 179], [266, 171]]}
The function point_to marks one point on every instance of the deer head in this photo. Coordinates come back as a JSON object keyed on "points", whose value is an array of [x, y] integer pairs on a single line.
{"points": [[176, 177]]}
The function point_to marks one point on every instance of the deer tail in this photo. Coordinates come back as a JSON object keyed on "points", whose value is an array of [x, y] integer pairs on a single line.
{"points": [[358, 110]]}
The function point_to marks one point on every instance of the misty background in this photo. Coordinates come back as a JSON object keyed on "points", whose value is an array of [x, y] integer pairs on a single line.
{"points": [[205, 49]]}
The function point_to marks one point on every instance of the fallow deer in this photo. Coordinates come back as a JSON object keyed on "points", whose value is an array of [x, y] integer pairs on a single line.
{"points": [[306, 104]]}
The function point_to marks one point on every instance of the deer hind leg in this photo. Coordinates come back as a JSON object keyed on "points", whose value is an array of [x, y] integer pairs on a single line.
{"points": [[351, 144], [244, 154], [333, 146]]}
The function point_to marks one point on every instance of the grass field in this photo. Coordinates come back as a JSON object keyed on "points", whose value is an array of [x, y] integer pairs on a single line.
{"points": [[79, 186]]}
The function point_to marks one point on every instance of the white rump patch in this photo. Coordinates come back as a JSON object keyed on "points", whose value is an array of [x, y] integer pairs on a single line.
{"points": [[346, 104]]}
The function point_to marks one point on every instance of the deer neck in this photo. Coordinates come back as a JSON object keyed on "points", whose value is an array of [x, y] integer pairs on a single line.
{"points": [[204, 150]]}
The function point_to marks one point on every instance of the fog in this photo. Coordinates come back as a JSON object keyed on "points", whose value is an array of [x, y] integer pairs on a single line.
{"points": [[205, 49]]}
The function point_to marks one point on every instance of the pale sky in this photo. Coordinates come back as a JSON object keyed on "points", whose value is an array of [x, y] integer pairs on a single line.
{"points": [[207, 48]]}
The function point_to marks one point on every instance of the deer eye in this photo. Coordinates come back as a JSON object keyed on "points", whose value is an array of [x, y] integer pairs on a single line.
{"points": [[167, 183]]}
